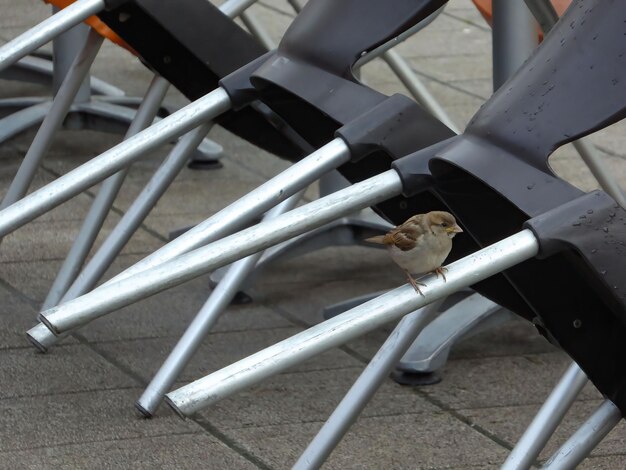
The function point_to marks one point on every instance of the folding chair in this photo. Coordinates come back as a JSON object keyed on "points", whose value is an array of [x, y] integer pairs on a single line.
{"points": [[323, 168], [401, 106], [387, 185], [578, 237], [156, 187]]}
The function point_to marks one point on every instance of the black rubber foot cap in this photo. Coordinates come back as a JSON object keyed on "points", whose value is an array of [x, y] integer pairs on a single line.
{"points": [[204, 165], [241, 298], [142, 412], [416, 379]]}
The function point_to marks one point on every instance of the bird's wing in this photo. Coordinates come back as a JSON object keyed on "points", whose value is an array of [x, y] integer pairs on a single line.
{"points": [[402, 239]]}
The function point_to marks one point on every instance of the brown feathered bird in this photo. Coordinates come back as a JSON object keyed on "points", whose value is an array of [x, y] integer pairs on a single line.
{"points": [[421, 244]]}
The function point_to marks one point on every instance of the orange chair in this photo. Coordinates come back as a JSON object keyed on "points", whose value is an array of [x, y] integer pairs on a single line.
{"points": [[485, 9], [96, 24]]}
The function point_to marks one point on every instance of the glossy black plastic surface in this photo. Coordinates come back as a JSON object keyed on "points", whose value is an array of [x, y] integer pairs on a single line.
{"points": [[193, 45], [495, 177]]}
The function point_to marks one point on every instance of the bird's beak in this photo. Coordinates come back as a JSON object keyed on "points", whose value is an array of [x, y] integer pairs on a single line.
{"points": [[454, 229]]}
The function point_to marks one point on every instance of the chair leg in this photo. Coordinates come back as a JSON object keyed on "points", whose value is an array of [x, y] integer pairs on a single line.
{"points": [[48, 29], [547, 420], [104, 200], [354, 323], [362, 391], [54, 119], [216, 304], [347, 231], [40, 336], [586, 438], [39, 70], [113, 295], [113, 160], [249, 207], [429, 353]]}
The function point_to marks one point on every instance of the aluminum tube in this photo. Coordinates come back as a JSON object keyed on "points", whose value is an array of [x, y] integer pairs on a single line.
{"points": [[40, 336], [65, 48], [54, 119], [137, 212], [217, 302], [586, 438], [544, 13], [601, 173], [233, 8], [246, 209], [37, 36], [547, 420], [103, 201], [113, 160], [365, 387], [255, 28], [295, 4], [349, 325], [112, 296], [417, 89], [514, 38]]}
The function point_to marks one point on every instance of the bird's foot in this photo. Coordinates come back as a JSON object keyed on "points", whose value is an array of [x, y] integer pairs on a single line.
{"points": [[441, 270], [416, 285]]}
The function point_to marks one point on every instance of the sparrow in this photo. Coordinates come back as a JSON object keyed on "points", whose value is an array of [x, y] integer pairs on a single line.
{"points": [[421, 244]]}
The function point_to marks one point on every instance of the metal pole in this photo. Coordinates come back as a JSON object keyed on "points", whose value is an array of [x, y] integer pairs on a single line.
{"points": [[417, 89], [544, 13], [547, 420], [223, 223], [54, 119], [347, 326], [514, 38], [113, 160], [246, 209], [104, 200], [218, 301], [110, 297], [65, 48], [45, 31], [233, 8], [137, 212], [365, 387], [257, 30], [586, 438], [602, 174]]}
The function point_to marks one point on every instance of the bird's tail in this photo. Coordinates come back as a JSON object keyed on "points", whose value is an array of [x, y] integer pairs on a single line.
{"points": [[377, 239]]}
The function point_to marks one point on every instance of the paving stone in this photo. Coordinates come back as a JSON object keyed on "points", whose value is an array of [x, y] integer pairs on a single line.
{"points": [[421, 440], [53, 240], [17, 316], [145, 356], [70, 368], [515, 337], [34, 278], [603, 463], [79, 417], [73, 408], [169, 314], [510, 422], [302, 397], [501, 381], [172, 451]]}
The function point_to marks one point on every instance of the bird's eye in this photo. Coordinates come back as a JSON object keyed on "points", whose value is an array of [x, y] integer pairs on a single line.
{"points": [[444, 224]]}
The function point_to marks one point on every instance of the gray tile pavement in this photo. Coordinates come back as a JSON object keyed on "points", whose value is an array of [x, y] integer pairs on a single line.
{"points": [[73, 408]]}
